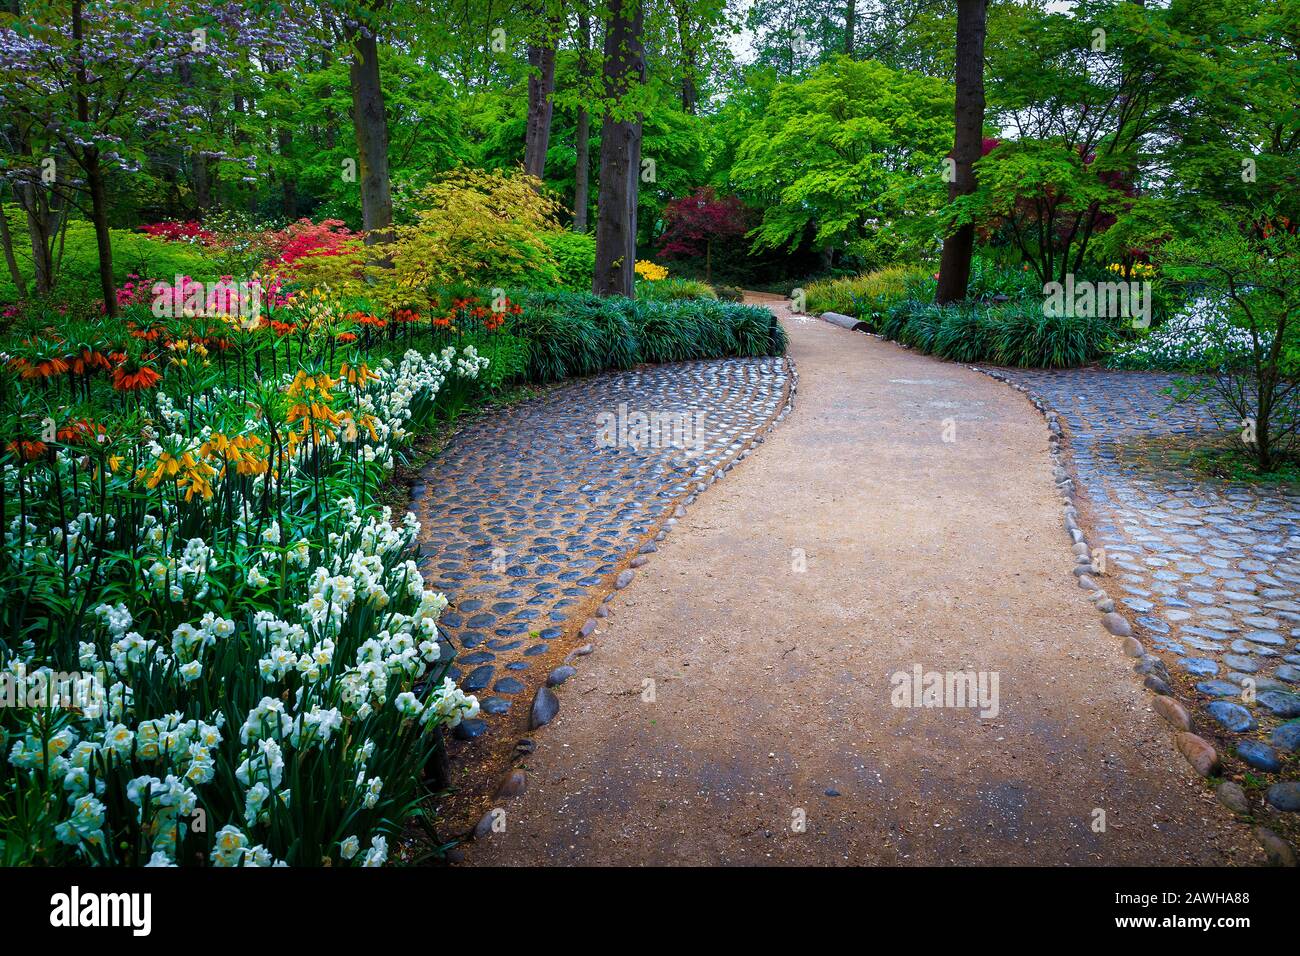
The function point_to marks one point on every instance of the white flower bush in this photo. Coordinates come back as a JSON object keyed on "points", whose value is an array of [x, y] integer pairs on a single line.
{"points": [[1200, 331], [266, 656]]}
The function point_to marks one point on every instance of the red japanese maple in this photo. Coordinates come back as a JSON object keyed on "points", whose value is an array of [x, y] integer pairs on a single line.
{"points": [[693, 222]]}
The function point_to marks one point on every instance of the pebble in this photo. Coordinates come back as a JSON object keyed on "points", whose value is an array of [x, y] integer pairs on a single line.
{"points": [[1284, 796], [1278, 851], [558, 676], [545, 706], [1232, 716], [1116, 624], [1232, 796], [470, 729], [513, 784], [1260, 756], [1287, 737], [1173, 712], [1199, 753], [1280, 703]]}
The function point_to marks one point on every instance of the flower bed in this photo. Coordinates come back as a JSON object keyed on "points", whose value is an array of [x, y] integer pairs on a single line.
{"points": [[216, 648]]}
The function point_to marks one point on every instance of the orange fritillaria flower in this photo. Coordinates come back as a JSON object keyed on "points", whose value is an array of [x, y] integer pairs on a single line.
{"points": [[74, 433], [28, 450], [138, 381]]}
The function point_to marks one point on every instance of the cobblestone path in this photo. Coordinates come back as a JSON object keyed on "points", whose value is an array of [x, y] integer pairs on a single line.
{"points": [[741, 703], [1208, 569], [537, 513]]}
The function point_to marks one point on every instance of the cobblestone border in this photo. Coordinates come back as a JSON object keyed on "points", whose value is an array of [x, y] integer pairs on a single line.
{"points": [[546, 703], [1198, 751]]}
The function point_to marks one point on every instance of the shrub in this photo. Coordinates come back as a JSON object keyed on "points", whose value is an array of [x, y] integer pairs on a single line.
{"points": [[577, 334], [1188, 340], [867, 297], [668, 289], [487, 228], [1251, 365], [574, 254], [683, 330], [560, 342], [610, 317], [1012, 333]]}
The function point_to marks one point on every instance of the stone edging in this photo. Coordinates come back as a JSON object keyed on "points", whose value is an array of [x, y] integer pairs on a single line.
{"points": [[546, 704], [1198, 751]]}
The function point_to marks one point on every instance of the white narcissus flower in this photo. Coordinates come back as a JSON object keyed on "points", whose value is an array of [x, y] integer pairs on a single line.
{"points": [[349, 847], [377, 855]]}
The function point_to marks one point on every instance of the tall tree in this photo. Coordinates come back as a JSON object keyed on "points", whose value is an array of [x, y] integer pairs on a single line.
{"points": [[541, 87], [582, 135], [620, 150], [968, 118], [370, 120]]}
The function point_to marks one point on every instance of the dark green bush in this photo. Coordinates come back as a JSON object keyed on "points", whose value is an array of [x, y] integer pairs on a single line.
{"points": [[612, 319], [579, 334], [560, 342], [1011, 333]]}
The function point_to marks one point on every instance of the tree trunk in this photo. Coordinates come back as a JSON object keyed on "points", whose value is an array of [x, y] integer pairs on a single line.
{"points": [[202, 176], [620, 153], [690, 94], [7, 241], [582, 165], [371, 124], [582, 171], [541, 101], [89, 162], [99, 216], [40, 222], [288, 185], [850, 25], [968, 114]]}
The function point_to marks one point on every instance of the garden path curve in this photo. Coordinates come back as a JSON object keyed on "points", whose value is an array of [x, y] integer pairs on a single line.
{"points": [[855, 543]]}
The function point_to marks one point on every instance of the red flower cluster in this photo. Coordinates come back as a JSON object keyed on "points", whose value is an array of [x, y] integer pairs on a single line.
{"points": [[180, 232]]}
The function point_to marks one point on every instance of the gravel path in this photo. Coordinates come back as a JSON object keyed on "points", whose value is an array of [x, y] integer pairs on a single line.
{"points": [[737, 707]]}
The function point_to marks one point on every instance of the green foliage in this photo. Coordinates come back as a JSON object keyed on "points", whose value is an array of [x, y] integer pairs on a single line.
{"points": [[581, 334], [484, 228], [665, 290], [133, 253], [866, 297], [574, 254], [1249, 358], [835, 153], [1013, 333], [609, 321]]}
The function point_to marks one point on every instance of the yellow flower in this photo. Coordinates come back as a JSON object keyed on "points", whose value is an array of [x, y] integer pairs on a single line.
{"points": [[356, 375], [650, 271]]}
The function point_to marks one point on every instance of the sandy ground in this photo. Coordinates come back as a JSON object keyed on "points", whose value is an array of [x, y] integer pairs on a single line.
{"points": [[772, 737]]}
